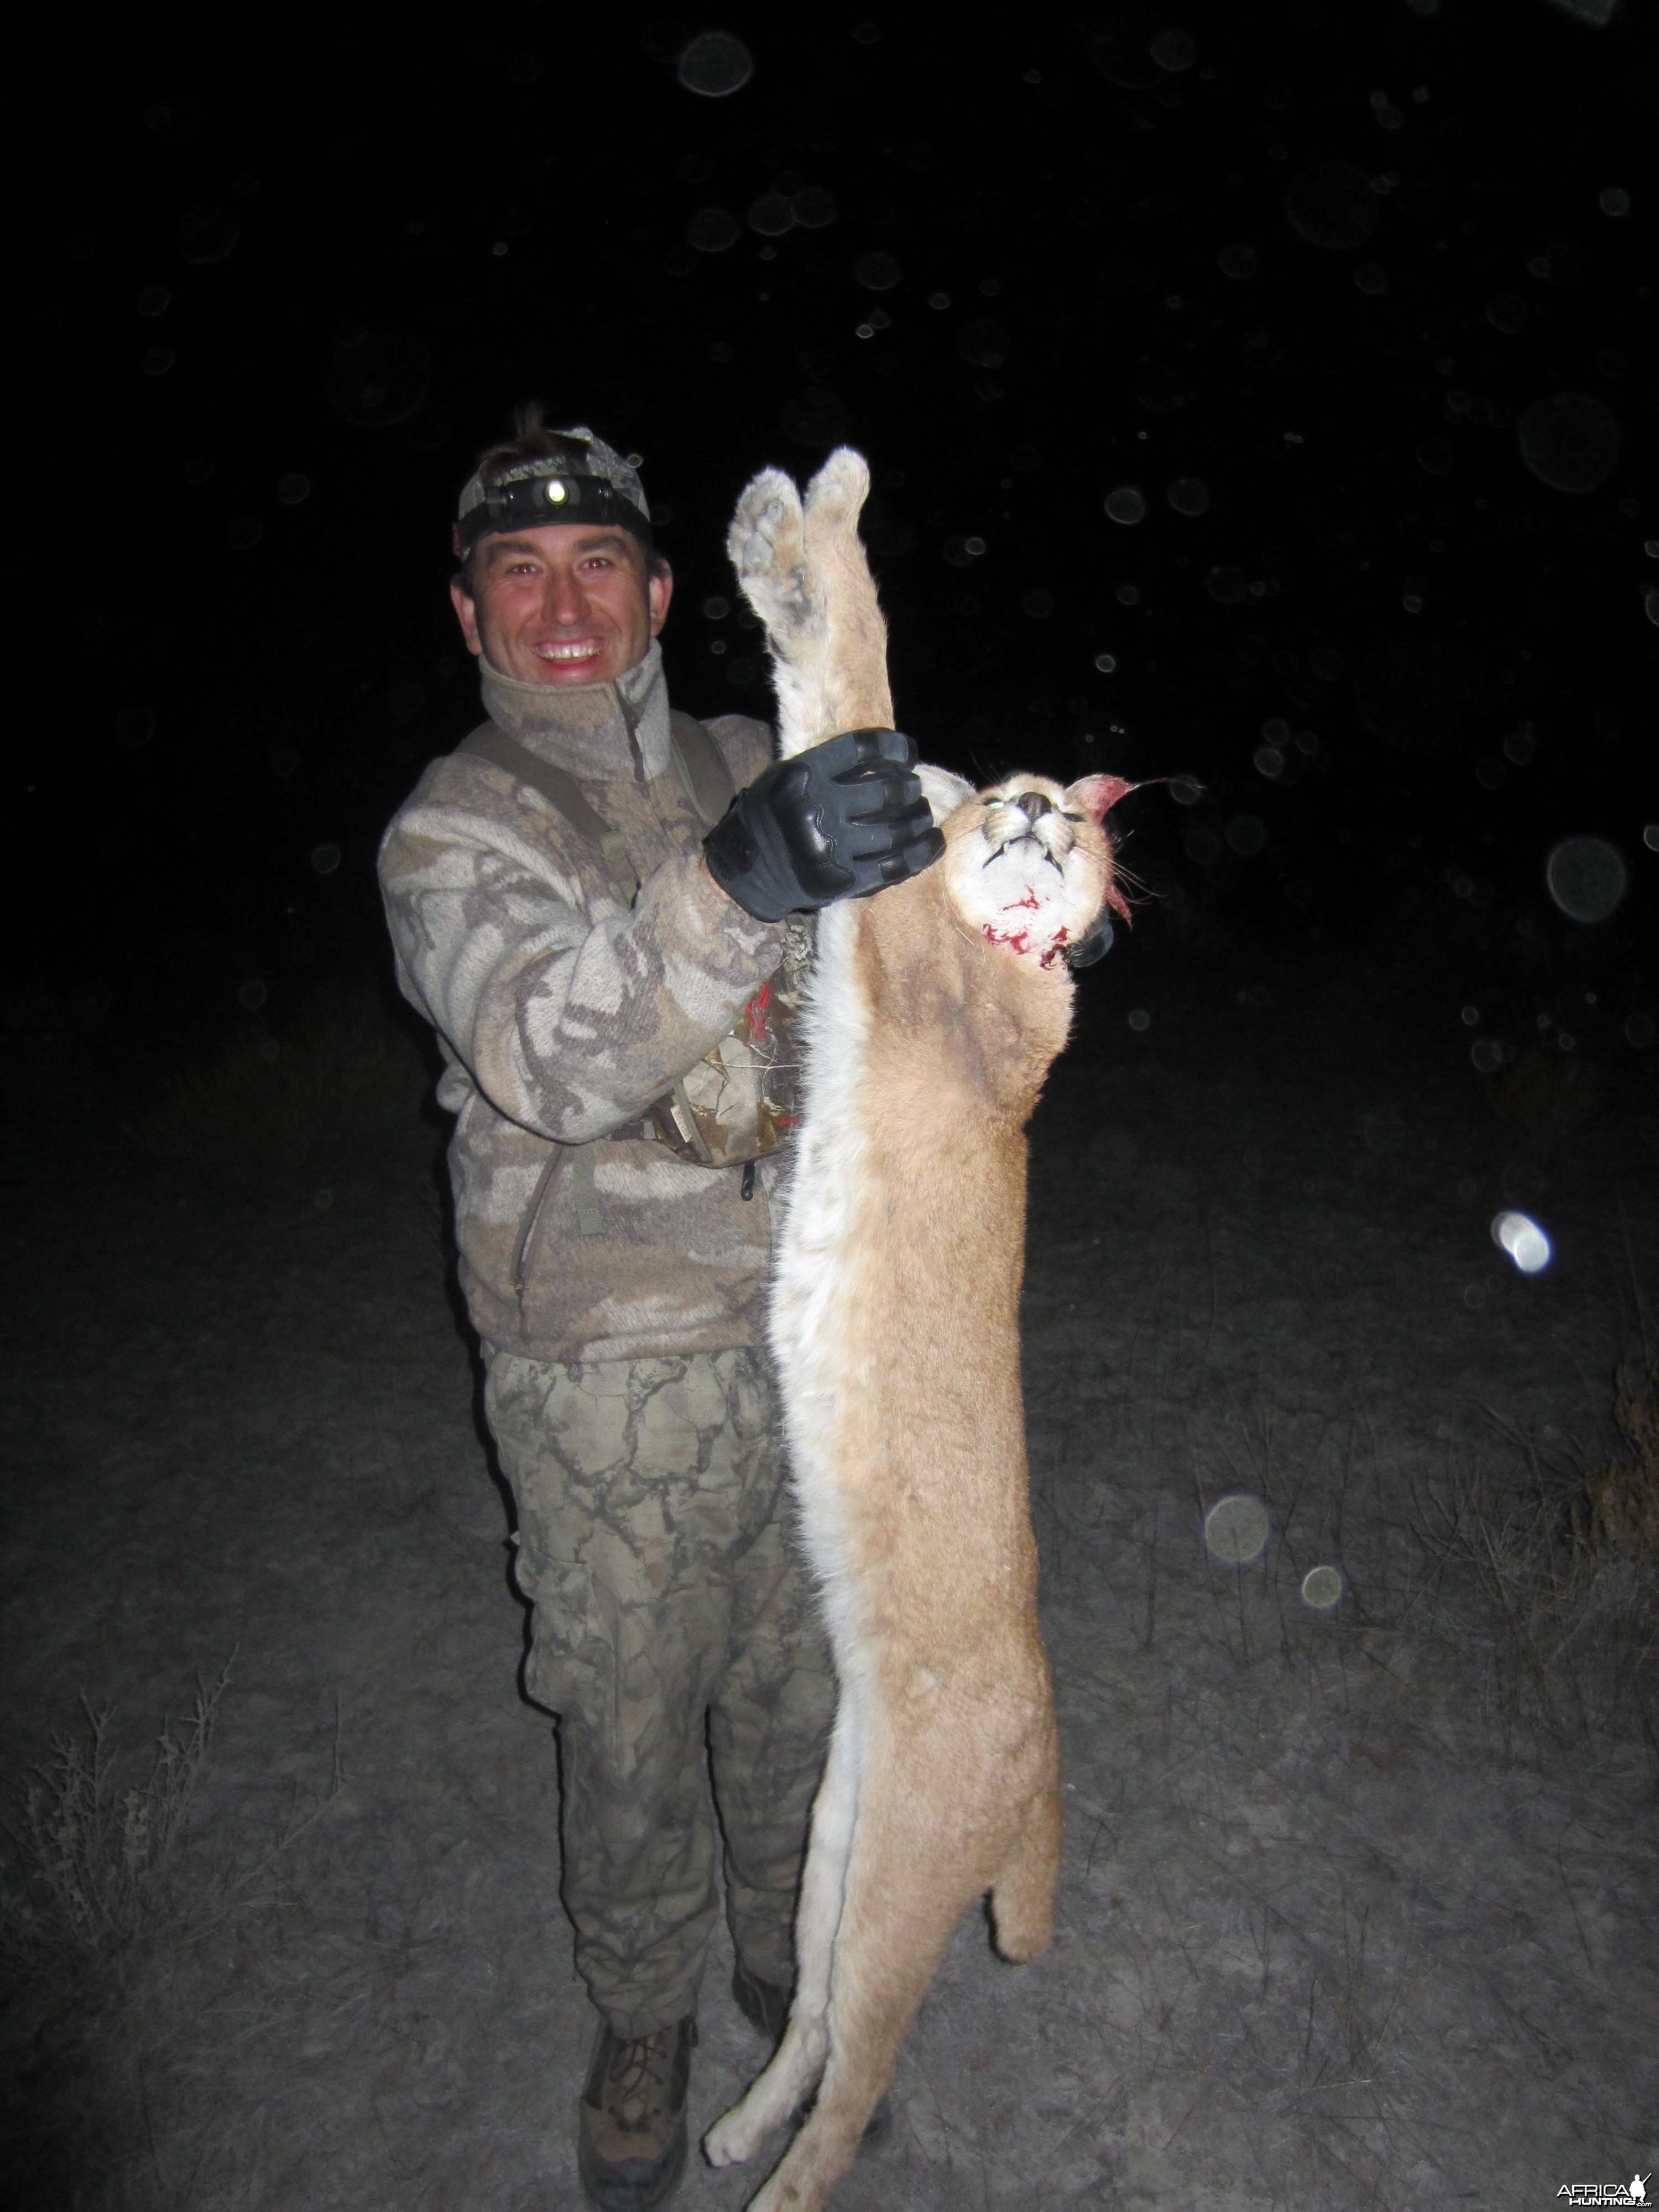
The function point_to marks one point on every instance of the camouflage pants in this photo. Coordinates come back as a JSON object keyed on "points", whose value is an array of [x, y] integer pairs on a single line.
{"points": [[671, 1623]]}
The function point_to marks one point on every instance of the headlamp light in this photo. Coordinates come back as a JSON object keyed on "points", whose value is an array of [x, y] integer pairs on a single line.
{"points": [[585, 482]]}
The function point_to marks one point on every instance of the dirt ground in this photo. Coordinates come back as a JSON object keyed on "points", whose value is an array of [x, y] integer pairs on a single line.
{"points": [[1356, 1906]]}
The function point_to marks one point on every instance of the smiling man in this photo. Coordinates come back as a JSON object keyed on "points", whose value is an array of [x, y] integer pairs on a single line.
{"points": [[563, 603], [591, 900]]}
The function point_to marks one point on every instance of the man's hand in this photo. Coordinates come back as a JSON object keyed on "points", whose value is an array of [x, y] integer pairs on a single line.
{"points": [[838, 820]]}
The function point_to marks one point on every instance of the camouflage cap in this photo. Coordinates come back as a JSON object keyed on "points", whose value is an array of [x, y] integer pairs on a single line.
{"points": [[583, 480]]}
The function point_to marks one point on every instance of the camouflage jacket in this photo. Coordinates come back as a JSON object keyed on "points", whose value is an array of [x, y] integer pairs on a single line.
{"points": [[562, 1014]]}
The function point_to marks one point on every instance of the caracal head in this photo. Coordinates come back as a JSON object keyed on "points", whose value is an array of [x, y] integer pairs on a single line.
{"points": [[1029, 863]]}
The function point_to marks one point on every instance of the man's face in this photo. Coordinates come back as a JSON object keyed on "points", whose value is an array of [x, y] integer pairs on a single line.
{"points": [[563, 603]]}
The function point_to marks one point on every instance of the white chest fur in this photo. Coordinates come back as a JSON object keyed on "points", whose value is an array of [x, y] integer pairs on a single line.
{"points": [[814, 1267]]}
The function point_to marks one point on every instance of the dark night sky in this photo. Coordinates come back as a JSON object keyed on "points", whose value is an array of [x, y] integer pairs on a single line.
{"points": [[1368, 282]]}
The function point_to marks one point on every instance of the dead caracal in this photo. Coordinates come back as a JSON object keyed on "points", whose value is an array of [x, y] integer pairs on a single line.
{"points": [[935, 1011]]}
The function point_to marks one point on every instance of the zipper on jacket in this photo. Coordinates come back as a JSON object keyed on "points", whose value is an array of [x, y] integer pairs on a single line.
{"points": [[533, 1214]]}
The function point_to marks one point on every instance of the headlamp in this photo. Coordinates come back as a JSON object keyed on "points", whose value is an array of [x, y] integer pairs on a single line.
{"points": [[583, 481]]}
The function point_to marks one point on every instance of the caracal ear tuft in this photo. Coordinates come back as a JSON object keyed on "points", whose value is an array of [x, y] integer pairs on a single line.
{"points": [[1098, 794]]}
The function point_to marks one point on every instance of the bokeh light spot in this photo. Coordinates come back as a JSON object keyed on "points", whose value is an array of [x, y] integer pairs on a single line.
{"points": [[1587, 877], [771, 215], [1507, 312], [1236, 1529], [715, 65], [1570, 442], [378, 377], [1322, 1587], [1188, 495], [711, 229], [1173, 50], [1523, 1240]]}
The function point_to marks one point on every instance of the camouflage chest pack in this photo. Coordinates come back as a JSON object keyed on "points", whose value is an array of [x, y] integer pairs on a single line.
{"points": [[739, 1103]]}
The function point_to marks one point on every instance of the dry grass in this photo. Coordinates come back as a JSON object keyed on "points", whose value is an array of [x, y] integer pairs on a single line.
{"points": [[94, 1866], [1566, 1547], [123, 1928]]}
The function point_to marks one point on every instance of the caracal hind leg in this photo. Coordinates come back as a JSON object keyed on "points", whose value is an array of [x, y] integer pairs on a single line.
{"points": [[856, 696], [900, 1914], [799, 2061], [767, 544], [1022, 1894]]}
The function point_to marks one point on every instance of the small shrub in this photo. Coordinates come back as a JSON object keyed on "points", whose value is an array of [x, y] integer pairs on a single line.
{"points": [[93, 1865], [126, 1929], [1568, 1552]]}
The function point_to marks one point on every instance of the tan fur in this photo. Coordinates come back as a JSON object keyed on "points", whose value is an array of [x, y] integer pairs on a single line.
{"points": [[910, 1400]]}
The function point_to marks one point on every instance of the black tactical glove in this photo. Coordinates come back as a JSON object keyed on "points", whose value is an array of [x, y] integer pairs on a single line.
{"points": [[838, 820]]}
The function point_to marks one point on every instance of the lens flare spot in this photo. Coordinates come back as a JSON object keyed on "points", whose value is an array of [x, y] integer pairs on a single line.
{"points": [[1322, 1587], [1523, 1240], [1236, 1529], [1587, 877]]}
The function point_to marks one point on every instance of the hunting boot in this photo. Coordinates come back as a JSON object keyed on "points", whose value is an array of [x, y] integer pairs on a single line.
{"points": [[630, 2149]]}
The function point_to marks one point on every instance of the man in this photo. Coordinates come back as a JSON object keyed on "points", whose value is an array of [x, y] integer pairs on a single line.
{"points": [[588, 948]]}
